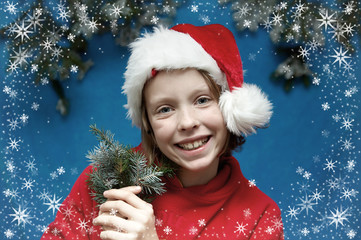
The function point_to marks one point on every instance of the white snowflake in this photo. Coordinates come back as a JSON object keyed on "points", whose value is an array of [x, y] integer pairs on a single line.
{"points": [[193, 231], [347, 144], [292, 212], [347, 194], [351, 234], [202, 222], [349, 8], [307, 175], [338, 216], [21, 56], [325, 106], [93, 25], [28, 184], [340, 56], [269, 230], [82, 224], [326, 20], [9, 234], [204, 18], [11, 7], [247, 213], [14, 144], [35, 20], [154, 20], [252, 183], [47, 44], [158, 222], [22, 31], [35, 106], [305, 231], [21, 215], [60, 170], [53, 204], [350, 165], [24, 118], [276, 19], [13, 124], [336, 117], [316, 81], [347, 123], [194, 8], [240, 228], [167, 230], [317, 196], [330, 165], [306, 204]]}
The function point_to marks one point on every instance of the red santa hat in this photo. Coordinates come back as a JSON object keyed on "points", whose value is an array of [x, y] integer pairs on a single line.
{"points": [[211, 48]]}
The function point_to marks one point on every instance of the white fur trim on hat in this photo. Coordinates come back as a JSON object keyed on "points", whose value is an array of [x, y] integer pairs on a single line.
{"points": [[245, 109], [162, 50]]}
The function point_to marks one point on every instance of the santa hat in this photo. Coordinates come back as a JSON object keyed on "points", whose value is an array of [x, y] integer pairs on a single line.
{"points": [[211, 48]]}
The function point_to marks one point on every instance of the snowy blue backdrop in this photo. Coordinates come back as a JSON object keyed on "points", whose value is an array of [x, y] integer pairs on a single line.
{"points": [[307, 160]]}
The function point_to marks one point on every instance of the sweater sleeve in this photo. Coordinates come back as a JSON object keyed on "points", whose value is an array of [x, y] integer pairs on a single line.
{"points": [[270, 225], [74, 219]]}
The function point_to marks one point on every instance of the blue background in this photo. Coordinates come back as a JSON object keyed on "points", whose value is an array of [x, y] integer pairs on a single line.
{"points": [[271, 157]]}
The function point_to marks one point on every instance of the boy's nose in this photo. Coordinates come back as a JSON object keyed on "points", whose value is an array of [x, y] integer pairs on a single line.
{"points": [[187, 120]]}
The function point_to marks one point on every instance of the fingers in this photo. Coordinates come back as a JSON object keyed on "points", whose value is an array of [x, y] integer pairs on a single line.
{"points": [[128, 195], [115, 235], [115, 223]]}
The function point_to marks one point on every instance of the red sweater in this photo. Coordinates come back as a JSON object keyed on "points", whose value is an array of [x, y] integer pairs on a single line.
{"points": [[228, 207]]}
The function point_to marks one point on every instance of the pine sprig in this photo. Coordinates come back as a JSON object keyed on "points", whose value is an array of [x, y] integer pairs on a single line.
{"points": [[118, 166]]}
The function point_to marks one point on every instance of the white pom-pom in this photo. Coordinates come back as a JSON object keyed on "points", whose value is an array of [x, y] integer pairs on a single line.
{"points": [[245, 109]]}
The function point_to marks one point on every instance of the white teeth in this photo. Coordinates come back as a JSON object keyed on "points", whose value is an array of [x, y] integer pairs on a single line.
{"points": [[193, 145]]}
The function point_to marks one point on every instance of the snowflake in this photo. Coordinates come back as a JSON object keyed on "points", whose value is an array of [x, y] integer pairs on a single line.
{"points": [[53, 204], [204, 18], [338, 216], [276, 19], [269, 230], [326, 20], [252, 183], [306, 204], [54, 175], [325, 106], [202, 222], [193, 231], [56, 52], [167, 230], [21, 56], [305, 231], [154, 20], [9, 234], [71, 37], [158, 222], [330, 165], [348, 29], [307, 175], [240, 228], [325, 133], [299, 170], [22, 31], [283, 5], [333, 184], [34, 68], [82, 224], [194, 8], [351, 234], [336, 117], [13, 124], [116, 11], [24, 118], [347, 194], [347, 144], [43, 195], [35, 106], [347, 123], [267, 24], [296, 28], [47, 44], [243, 11], [21, 215], [277, 223], [292, 212], [350, 165], [93, 25], [13, 144], [340, 56], [60, 170], [316, 81], [338, 32], [44, 81], [55, 231], [317, 196], [11, 7], [247, 212], [349, 8], [28, 184], [34, 20]]}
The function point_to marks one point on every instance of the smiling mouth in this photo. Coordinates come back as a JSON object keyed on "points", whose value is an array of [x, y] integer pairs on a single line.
{"points": [[194, 145]]}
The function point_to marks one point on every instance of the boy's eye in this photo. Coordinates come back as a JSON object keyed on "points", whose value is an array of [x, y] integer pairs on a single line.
{"points": [[202, 100]]}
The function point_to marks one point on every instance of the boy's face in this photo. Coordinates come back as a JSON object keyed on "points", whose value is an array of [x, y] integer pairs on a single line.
{"points": [[187, 123]]}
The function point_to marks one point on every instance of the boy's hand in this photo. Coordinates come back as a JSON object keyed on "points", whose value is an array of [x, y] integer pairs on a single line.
{"points": [[125, 216]]}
